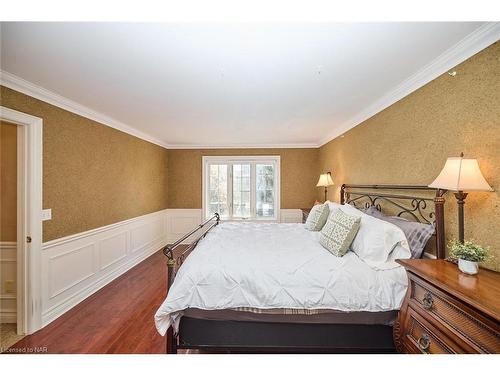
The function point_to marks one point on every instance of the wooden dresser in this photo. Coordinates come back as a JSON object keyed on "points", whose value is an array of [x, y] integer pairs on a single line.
{"points": [[447, 311]]}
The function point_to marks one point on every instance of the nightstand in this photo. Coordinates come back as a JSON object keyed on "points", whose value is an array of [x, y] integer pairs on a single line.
{"points": [[447, 311], [305, 214]]}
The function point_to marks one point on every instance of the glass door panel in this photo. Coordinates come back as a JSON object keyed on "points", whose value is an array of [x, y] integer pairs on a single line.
{"points": [[265, 200], [241, 191], [217, 190]]}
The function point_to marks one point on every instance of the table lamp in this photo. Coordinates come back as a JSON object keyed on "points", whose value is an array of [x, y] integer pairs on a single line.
{"points": [[325, 180], [461, 175]]}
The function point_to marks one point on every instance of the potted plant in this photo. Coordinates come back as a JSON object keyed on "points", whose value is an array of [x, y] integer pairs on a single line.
{"points": [[469, 254]]}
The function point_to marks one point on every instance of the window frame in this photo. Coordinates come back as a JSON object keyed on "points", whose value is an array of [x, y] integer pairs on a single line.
{"points": [[252, 160]]}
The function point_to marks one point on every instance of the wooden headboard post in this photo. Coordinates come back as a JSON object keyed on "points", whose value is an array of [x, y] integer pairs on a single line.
{"points": [[411, 205]]}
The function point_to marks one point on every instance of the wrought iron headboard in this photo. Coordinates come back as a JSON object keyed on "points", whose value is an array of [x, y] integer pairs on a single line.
{"points": [[403, 200]]}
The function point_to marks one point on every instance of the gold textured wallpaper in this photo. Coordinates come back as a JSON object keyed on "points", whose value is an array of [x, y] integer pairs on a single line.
{"points": [[299, 174], [93, 175], [408, 143], [8, 181]]}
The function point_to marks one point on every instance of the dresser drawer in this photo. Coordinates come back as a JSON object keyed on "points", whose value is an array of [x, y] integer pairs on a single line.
{"points": [[421, 337], [476, 332]]}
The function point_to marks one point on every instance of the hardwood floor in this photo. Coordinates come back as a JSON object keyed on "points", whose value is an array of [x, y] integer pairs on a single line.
{"points": [[116, 319]]}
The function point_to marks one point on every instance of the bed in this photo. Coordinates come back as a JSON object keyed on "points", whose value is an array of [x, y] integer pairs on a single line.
{"points": [[262, 287]]}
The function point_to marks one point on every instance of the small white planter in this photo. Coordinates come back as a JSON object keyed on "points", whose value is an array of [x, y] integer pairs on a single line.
{"points": [[468, 267]]}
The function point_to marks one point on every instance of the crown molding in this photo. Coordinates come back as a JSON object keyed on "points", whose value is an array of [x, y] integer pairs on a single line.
{"points": [[476, 41], [241, 145], [473, 43], [21, 85]]}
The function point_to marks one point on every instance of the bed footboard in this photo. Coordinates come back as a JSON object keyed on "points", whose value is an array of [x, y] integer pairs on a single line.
{"points": [[173, 263]]}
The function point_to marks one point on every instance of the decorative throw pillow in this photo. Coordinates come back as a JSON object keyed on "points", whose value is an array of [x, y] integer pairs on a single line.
{"points": [[317, 217], [339, 232]]}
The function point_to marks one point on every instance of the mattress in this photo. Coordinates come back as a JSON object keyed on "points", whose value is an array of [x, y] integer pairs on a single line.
{"points": [[281, 316], [276, 266]]}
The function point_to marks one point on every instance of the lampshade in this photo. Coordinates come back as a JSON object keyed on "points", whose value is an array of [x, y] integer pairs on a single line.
{"points": [[325, 180], [461, 174]]}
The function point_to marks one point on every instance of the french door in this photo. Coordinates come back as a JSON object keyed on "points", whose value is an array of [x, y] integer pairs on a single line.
{"points": [[241, 188]]}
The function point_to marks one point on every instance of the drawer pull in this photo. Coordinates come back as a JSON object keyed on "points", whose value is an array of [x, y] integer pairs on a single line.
{"points": [[427, 301], [424, 342]]}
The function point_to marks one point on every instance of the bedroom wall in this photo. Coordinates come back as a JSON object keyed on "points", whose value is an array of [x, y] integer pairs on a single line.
{"points": [[93, 175], [299, 174], [408, 143], [8, 189], [8, 221]]}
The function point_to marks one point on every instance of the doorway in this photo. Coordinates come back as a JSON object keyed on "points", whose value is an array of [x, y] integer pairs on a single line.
{"points": [[21, 220], [8, 235]]}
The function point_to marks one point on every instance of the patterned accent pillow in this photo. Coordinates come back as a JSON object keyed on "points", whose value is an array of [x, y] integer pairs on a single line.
{"points": [[317, 217], [339, 232]]}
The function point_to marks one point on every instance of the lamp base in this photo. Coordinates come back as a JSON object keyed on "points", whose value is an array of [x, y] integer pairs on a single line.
{"points": [[460, 195]]}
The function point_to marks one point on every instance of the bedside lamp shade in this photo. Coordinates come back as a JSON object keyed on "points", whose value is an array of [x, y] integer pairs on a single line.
{"points": [[461, 174], [325, 180]]}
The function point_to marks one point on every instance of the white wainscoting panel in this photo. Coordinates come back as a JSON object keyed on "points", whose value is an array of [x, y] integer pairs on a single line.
{"points": [[113, 249], [181, 221], [69, 268], [8, 271], [76, 266], [292, 215], [143, 233]]}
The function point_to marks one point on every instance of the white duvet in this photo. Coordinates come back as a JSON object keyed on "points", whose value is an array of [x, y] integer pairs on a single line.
{"points": [[268, 266]]}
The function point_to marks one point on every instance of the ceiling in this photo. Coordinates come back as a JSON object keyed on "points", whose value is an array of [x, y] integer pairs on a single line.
{"points": [[229, 85]]}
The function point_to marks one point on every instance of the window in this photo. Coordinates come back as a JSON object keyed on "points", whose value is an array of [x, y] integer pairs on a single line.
{"points": [[241, 187]]}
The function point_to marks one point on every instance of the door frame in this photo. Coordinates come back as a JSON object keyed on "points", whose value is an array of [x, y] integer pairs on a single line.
{"points": [[29, 218]]}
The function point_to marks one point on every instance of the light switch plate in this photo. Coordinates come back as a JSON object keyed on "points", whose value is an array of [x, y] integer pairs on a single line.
{"points": [[46, 214]]}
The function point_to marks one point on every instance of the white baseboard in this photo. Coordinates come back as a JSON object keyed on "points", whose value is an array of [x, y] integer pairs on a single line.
{"points": [[429, 256], [75, 267]]}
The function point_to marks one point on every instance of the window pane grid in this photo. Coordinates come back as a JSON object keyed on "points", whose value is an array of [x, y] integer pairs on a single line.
{"points": [[242, 189]]}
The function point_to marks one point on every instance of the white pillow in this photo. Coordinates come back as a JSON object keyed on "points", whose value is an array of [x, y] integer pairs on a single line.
{"points": [[376, 239], [333, 205]]}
